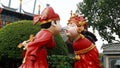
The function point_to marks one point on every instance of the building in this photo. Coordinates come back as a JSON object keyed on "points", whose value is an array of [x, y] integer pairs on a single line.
{"points": [[111, 56], [9, 15]]}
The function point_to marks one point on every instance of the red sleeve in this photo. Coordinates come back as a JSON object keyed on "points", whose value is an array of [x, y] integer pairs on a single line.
{"points": [[23, 53], [38, 43], [51, 44]]}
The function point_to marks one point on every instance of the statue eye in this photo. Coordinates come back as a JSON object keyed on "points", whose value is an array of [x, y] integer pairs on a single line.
{"points": [[79, 25], [55, 22], [72, 25]]}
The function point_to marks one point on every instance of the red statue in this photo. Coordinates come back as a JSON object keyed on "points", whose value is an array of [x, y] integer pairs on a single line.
{"points": [[85, 51], [36, 51]]}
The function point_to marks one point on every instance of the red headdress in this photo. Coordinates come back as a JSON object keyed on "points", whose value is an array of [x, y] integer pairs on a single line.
{"points": [[47, 15], [78, 19]]}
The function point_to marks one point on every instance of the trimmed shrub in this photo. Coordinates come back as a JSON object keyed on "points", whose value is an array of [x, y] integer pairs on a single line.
{"points": [[12, 34], [60, 61]]}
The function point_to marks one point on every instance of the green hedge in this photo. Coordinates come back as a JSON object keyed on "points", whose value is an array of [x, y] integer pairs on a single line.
{"points": [[60, 61], [12, 34]]}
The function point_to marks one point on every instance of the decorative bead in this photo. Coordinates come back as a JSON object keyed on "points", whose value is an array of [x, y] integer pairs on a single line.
{"points": [[77, 57]]}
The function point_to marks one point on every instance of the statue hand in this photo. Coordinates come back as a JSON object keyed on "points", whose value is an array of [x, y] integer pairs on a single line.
{"points": [[20, 45]]}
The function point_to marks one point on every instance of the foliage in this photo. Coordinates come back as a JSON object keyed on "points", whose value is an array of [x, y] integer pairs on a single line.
{"points": [[104, 16], [60, 61], [61, 48], [14, 33]]}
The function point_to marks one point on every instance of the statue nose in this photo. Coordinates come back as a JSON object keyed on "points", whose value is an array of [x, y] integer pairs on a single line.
{"points": [[66, 31]]}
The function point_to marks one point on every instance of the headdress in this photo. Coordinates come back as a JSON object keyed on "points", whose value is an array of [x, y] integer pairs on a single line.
{"points": [[46, 16], [77, 19]]}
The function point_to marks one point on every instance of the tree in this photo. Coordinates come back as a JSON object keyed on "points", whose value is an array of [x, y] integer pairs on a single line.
{"points": [[104, 16]]}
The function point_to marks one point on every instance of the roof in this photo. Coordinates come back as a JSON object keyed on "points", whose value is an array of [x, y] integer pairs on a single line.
{"points": [[27, 13], [111, 48], [117, 62], [8, 8], [12, 11]]}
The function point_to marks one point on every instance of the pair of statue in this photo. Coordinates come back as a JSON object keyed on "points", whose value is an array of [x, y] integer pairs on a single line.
{"points": [[35, 56]]}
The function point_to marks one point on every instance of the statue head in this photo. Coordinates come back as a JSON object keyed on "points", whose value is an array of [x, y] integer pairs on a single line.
{"points": [[50, 20], [76, 24]]}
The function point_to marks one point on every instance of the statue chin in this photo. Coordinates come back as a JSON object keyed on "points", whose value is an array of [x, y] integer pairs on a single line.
{"points": [[57, 33]]}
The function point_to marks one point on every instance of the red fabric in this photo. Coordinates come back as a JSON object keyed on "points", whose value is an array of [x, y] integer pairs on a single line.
{"points": [[89, 59], [23, 53], [36, 55], [36, 19], [48, 14]]}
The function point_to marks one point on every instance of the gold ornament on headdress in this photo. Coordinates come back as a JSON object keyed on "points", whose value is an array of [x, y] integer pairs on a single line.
{"points": [[78, 19], [82, 23], [71, 13]]}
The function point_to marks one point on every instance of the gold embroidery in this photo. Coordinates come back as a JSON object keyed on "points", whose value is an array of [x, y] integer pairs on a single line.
{"points": [[82, 36], [83, 51]]}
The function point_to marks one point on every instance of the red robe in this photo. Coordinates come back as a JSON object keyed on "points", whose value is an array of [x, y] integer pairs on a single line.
{"points": [[36, 54], [89, 59]]}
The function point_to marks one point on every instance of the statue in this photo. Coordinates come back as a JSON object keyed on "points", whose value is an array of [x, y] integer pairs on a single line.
{"points": [[36, 50], [85, 51]]}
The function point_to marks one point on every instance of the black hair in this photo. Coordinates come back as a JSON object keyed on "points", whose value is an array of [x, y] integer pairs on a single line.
{"points": [[90, 36], [46, 25]]}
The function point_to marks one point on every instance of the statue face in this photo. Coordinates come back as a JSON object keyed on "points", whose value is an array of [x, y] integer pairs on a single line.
{"points": [[57, 27], [71, 30]]}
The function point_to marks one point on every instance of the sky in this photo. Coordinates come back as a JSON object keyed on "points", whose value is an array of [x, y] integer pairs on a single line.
{"points": [[62, 7]]}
